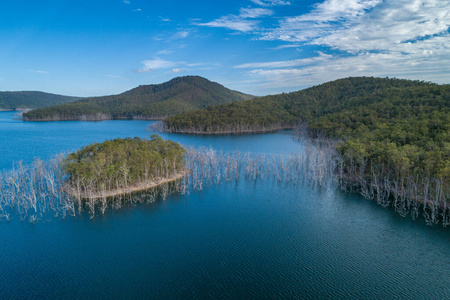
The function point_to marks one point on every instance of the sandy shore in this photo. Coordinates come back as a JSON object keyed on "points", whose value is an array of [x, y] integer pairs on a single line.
{"points": [[130, 189]]}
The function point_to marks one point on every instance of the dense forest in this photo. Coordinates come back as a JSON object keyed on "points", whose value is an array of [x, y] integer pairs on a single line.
{"points": [[31, 100], [178, 95], [121, 163], [393, 133]]}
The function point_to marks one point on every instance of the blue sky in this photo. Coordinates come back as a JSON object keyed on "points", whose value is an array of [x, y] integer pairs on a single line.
{"points": [[91, 48]]}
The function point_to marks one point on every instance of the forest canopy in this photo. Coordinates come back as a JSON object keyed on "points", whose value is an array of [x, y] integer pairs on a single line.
{"points": [[120, 163]]}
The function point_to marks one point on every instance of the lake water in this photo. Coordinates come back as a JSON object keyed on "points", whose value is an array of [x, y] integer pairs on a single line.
{"points": [[245, 239]]}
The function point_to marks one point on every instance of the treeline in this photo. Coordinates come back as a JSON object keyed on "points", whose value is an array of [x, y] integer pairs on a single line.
{"points": [[31, 99], [151, 102]]}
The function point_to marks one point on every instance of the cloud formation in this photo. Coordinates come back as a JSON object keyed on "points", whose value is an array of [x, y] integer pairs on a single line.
{"points": [[158, 63], [252, 13], [286, 64], [286, 46], [366, 25], [164, 52], [271, 2], [39, 72], [401, 38], [180, 35], [244, 22]]}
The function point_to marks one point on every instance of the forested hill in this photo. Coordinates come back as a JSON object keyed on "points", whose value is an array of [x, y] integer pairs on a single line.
{"points": [[401, 126], [287, 110], [157, 101], [31, 99]]}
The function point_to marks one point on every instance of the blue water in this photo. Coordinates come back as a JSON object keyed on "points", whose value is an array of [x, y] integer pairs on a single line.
{"points": [[23, 141], [247, 240]]}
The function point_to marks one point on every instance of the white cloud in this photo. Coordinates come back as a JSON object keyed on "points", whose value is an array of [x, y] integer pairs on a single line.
{"points": [[288, 63], [196, 64], [366, 25], [334, 10], [395, 38], [126, 2], [178, 70], [180, 35], [418, 66], [271, 2], [286, 46], [252, 13], [164, 52], [137, 9], [158, 63], [39, 72], [240, 22], [232, 22]]}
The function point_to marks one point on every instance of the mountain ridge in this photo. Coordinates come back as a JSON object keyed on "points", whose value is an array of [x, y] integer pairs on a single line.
{"points": [[152, 102]]}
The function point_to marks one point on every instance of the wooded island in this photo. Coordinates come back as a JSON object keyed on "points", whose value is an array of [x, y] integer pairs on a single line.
{"points": [[122, 166]]}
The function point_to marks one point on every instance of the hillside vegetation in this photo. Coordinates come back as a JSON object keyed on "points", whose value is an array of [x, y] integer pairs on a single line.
{"points": [[30, 99], [395, 134], [157, 101]]}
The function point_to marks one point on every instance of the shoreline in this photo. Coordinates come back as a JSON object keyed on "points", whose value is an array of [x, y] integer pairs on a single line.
{"points": [[93, 120], [138, 187], [230, 132]]}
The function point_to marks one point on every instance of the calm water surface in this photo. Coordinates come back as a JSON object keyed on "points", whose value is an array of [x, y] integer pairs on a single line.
{"points": [[243, 239]]}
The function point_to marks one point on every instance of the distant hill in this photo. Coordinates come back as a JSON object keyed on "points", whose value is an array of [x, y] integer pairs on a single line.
{"points": [[31, 99], [154, 101]]}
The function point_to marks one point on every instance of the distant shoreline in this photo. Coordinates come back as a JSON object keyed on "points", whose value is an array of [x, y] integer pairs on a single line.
{"points": [[142, 186], [93, 118]]}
